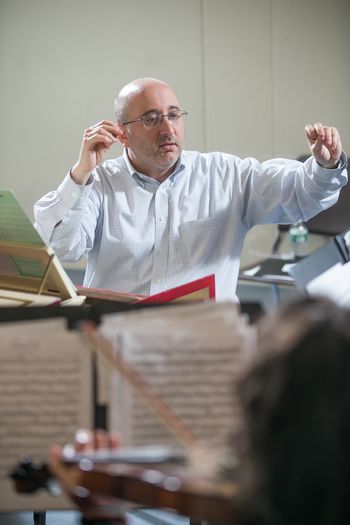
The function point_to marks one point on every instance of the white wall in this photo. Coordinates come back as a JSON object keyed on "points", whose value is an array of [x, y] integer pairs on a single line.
{"points": [[250, 72]]}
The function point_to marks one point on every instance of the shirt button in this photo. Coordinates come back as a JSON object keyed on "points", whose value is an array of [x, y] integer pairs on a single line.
{"points": [[161, 219], [157, 281]]}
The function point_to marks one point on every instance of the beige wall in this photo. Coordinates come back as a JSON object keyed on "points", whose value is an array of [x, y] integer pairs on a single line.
{"points": [[250, 72]]}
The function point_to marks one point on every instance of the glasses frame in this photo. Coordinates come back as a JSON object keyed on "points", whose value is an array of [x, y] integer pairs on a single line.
{"points": [[161, 117]]}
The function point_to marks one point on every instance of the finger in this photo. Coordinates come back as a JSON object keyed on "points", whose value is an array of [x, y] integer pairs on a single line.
{"points": [[114, 439], [54, 458], [83, 441], [327, 135], [100, 132], [119, 130], [318, 147], [108, 126], [332, 140], [320, 130], [91, 141], [310, 132], [107, 123], [67, 477], [112, 131], [104, 130], [336, 143], [314, 131], [55, 453], [318, 127], [334, 137], [101, 154], [100, 439]]}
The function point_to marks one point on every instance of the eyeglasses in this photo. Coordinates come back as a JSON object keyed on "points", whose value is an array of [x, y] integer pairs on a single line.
{"points": [[154, 119]]}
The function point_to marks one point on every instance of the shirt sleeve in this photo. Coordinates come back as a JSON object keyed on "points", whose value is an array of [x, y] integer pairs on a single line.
{"points": [[59, 214], [285, 191]]}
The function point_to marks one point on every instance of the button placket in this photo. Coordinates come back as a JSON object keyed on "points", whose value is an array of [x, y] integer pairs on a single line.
{"points": [[160, 253]]}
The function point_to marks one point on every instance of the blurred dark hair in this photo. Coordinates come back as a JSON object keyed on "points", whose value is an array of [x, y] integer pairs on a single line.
{"points": [[296, 405]]}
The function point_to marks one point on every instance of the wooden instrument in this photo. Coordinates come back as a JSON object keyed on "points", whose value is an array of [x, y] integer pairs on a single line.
{"points": [[98, 489]]}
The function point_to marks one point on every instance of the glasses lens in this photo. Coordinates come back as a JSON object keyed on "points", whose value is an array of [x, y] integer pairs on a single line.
{"points": [[175, 114], [151, 120]]}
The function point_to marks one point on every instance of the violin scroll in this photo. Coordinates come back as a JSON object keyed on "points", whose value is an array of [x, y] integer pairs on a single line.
{"points": [[29, 477]]}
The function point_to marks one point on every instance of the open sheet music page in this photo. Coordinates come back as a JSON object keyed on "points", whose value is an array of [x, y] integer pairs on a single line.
{"points": [[15, 225], [334, 283], [45, 396], [191, 355]]}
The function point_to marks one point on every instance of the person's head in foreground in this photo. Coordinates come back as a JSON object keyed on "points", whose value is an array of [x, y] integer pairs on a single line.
{"points": [[296, 404]]}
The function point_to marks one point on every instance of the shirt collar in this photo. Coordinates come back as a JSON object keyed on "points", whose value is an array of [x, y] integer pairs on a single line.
{"points": [[178, 168]]}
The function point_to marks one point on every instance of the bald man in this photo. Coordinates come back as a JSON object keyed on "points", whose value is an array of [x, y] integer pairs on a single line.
{"points": [[158, 216]]}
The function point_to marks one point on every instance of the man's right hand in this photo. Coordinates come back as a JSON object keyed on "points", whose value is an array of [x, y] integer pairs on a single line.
{"points": [[97, 141]]}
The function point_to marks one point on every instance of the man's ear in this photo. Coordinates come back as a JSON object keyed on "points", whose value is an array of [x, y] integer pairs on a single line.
{"points": [[122, 135]]}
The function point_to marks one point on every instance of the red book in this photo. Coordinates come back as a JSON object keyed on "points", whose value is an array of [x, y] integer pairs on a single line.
{"points": [[199, 290]]}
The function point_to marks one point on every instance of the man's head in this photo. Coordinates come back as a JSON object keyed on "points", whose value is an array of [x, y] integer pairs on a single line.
{"points": [[153, 141]]}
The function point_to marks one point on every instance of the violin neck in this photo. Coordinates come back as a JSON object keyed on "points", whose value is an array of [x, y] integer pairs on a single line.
{"points": [[129, 455]]}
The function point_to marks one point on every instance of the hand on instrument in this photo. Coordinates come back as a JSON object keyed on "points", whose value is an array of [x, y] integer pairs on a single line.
{"points": [[84, 441]]}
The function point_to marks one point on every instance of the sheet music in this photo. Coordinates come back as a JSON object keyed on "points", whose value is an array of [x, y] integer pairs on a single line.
{"points": [[191, 355], [45, 396], [333, 283], [15, 225]]}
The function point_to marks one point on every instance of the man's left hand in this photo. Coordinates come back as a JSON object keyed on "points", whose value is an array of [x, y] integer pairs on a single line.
{"points": [[325, 144]]}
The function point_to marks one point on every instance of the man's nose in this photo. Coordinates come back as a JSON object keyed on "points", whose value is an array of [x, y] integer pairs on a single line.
{"points": [[166, 124]]}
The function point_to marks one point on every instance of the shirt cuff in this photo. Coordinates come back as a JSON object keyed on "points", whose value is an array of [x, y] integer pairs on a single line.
{"points": [[343, 161], [71, 192]]}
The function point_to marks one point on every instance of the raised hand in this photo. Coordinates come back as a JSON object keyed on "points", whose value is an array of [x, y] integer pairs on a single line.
{"points": [[324, 143], [96, 143]]}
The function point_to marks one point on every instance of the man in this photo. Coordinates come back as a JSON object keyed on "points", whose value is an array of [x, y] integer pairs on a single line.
{"points": [[158, 216]]}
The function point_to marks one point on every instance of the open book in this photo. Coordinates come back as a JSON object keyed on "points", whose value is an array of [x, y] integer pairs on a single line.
{"points": [[198, 290], [31, 274]]}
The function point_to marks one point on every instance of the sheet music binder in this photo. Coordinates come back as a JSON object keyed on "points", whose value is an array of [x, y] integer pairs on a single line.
{"points": [[335, 251], [27, 265]]}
